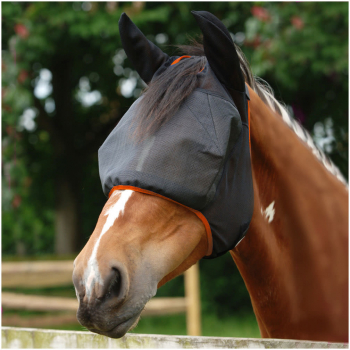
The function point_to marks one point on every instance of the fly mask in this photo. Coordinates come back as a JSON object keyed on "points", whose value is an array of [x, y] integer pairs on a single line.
{"points": [[200, 157]]}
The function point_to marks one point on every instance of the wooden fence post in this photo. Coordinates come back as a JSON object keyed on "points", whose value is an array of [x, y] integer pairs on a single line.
{"points": [[192, 294]]}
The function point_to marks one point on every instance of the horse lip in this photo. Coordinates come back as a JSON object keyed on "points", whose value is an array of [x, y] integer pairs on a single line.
{"points": [[115, 331], [121, 329]]}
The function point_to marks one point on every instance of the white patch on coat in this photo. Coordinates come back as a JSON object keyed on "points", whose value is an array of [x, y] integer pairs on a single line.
{"points": [[269, 212], [92, 273]]}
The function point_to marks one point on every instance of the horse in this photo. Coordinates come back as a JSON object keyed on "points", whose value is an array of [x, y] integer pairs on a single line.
{"points": [[293, 257]]}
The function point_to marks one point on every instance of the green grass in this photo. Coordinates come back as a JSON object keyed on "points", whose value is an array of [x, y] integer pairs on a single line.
{"points": [[244, 326], [69, 327]]}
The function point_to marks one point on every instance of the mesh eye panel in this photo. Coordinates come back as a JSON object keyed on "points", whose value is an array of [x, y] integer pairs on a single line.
{"points": [[183, 160]]}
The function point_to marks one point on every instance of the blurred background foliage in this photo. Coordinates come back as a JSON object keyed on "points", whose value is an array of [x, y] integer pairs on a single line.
{"points": [[66, 83]]}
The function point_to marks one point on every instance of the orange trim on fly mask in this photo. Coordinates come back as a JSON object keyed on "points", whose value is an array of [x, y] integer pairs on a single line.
{"points": [[180, 58], [196, 212]]}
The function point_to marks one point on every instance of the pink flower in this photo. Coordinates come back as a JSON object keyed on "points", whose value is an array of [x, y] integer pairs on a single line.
{"points": [[16, 202], [22, 76], [260, 13], [254, 43], [21, 30], [297, 22]]}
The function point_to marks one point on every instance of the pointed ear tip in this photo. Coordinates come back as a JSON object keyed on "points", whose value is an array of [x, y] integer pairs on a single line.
{"points": [[123, 17]]}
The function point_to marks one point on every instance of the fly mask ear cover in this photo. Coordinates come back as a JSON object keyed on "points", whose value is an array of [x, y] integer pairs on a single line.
{"points": [[199, 158]]}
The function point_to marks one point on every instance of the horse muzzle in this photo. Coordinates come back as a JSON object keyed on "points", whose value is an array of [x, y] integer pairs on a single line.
{"points": [[107, 305], [101, 294]]}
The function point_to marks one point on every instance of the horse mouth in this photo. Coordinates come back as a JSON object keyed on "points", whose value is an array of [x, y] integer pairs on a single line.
{"points": [[120, 329]]}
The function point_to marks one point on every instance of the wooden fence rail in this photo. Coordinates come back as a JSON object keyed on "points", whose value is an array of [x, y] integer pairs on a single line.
{"points": [[17, 301], [36, 274], [40, 274], [19, 338]]}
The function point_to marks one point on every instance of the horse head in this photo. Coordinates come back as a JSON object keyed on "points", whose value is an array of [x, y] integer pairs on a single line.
{"points": [[157, 228]]}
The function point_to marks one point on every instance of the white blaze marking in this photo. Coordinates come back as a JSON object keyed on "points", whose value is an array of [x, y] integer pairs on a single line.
{"points": [[92, 273], [269, 212]]}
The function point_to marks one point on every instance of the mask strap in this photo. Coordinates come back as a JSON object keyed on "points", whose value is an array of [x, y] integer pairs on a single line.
{"points": [[249, 125], [248, 102]]}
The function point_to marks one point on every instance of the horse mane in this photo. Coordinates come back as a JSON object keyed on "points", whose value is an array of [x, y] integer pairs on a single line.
{"points": [[166, 92], [164, 95]]}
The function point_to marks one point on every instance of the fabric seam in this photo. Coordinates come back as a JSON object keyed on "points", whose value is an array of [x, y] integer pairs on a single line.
{"points": [[212, 119], [215, 142], [212, 93]]}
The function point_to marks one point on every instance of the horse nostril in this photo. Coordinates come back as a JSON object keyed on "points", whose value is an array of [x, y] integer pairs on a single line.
{"points": [[113, 289], [114, 286]]}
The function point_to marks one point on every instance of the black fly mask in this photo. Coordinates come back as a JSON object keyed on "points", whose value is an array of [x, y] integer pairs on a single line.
{"points": [[200, 157]]}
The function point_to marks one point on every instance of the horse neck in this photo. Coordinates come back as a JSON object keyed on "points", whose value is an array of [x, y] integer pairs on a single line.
{"points": [[294, 256]]}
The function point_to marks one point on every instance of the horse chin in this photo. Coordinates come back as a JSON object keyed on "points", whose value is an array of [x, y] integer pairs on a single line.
{"points": [[121, 329]]}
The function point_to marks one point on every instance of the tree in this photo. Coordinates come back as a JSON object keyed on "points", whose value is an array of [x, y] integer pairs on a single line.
{"points": [[61, 61], [302, 50]]}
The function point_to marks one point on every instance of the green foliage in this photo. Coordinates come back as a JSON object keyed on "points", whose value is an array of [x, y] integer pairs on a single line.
{"points": [[299, 48]]}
